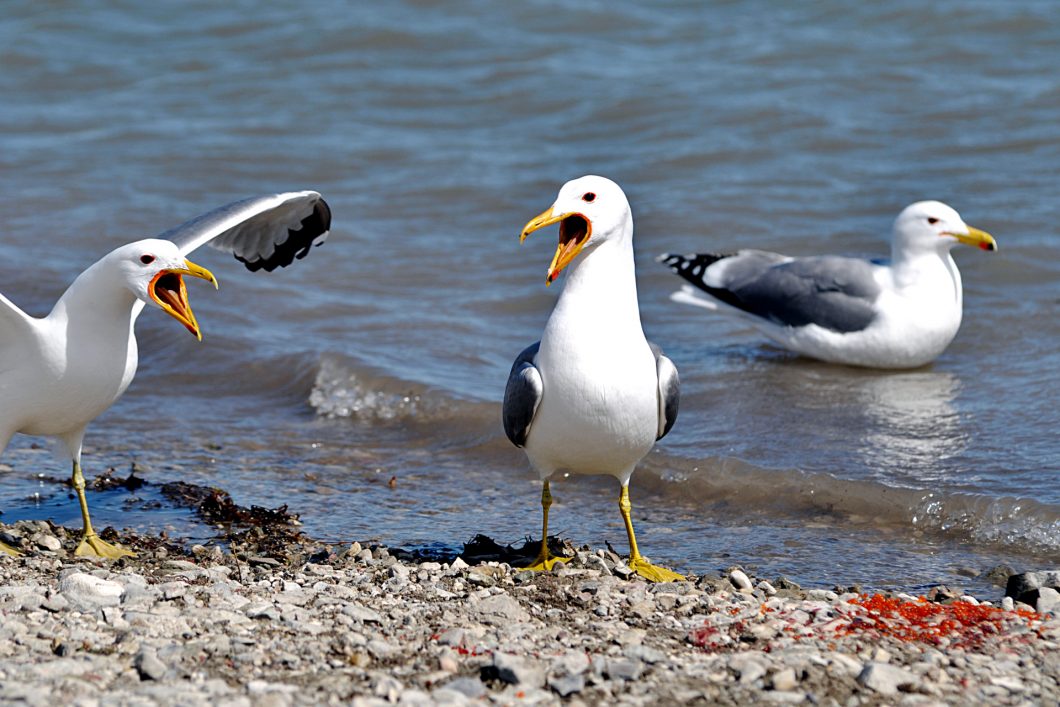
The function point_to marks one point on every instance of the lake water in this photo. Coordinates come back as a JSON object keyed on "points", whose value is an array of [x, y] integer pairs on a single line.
{"points": [[436, 130]]}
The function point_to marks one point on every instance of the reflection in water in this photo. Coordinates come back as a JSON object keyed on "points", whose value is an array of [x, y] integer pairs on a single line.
{"points": [[912, 427]]}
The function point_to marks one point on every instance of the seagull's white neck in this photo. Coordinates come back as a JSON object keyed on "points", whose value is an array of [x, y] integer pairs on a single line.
{"points": [[911, 269], [600, 293], [97, 302]]}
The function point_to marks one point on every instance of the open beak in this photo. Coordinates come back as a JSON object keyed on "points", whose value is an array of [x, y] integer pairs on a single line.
{"points": [[574, 232], [977, 238], [167, 289]]}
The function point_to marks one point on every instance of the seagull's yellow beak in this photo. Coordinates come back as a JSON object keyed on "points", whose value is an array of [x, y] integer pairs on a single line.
{"points": [[574, 232], [167, 289], [975, 237]]}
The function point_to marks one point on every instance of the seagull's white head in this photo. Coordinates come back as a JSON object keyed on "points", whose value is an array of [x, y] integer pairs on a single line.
{"points": [[590, 210], [153, 270], [931, 226]]}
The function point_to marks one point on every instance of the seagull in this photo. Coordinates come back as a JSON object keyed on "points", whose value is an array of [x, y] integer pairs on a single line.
{"points": [[60, 372], [593, 395], [897, 313]]}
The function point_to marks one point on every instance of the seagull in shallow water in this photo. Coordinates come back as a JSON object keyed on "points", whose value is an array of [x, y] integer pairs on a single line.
{"points": [[57, 374], [593, 395], [897, 313]]}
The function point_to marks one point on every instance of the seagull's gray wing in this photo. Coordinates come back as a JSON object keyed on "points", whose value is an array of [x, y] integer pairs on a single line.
{"points": [[830, 291], [669, 390], [522, 395], [263, 233]]}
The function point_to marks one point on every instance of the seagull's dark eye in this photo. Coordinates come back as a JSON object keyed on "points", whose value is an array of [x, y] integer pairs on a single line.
{"points": [[589, 197], [147, 259], [932, 220]]}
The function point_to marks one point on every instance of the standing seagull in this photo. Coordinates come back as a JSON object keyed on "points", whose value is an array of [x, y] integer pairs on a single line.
{"points": [[593, 395], [900, 313], [57, 374]]}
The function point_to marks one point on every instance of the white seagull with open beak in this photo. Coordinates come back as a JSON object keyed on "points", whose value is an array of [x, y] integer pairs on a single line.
{"points": [[59, 373], [593, 395]]}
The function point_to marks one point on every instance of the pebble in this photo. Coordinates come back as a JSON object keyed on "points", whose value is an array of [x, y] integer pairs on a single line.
{"points": [[517, 670], [740, 580], [886, 679], [88, 590], [148, 665]]}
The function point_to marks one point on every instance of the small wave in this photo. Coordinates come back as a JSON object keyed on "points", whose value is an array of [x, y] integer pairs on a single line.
{"points": [[1011, 523], [339, 391], [343, 389]]}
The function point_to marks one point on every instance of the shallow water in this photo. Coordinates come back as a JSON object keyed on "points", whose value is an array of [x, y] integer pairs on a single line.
{"points": [[436, 130]]}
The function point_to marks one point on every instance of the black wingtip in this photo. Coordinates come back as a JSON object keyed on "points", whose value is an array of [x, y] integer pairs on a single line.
{"points": [[313, 232], [691, 266]]}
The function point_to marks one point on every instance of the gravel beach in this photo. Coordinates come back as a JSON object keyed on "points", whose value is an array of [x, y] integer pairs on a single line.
{"points": [[278, 618]]}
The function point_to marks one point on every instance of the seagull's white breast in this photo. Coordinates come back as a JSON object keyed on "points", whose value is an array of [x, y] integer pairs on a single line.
{"points": [[79, 373], [599, 408]]}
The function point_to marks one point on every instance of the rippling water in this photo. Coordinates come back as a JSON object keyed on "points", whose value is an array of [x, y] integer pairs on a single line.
{"points": [[436, 130]]}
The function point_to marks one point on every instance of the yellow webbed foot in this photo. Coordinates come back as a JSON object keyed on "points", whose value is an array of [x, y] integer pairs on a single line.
{"points": [[95, 546], [653, 573], [544, 563], [8, 550]]}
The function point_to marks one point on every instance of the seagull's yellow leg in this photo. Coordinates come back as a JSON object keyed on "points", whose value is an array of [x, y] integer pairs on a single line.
{"points": [[8, 550], [650, 572], [91, 544], [544, 561]]}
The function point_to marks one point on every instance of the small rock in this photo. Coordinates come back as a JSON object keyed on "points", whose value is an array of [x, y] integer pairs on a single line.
{"points": [[1011, 684], [623, 669], [47, 542], [517, 670], [748, 666], [84, 589], [740, 581], [886, 679], [1008, 604], [567, 685], [361, 613], [263, 610], [822, 595], [500, 609], [149, 665], [1048, 600], [451, 637], [571, 663], [55, 603], [469, 687], [785, 680]]}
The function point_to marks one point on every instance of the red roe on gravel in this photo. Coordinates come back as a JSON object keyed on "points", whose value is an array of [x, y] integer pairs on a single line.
{"points": [[961, 623]]}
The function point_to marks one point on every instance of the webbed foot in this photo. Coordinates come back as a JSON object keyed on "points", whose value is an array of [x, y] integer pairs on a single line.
{"points": [[544, 563], [653, 573], [95, 546]]}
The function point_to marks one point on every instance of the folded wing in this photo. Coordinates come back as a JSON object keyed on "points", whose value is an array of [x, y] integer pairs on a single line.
{"points": [[833, 292], [522, 396]]}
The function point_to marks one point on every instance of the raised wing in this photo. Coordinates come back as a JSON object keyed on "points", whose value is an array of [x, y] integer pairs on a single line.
{"points": [[669, 390], [832, 292], [522, 395], [263, 233], [16, 332]]}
